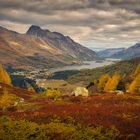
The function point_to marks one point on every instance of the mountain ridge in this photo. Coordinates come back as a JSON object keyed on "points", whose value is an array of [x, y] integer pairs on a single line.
{"points": [[40, 49], [109, 52], [131, 52], [62, 42]]}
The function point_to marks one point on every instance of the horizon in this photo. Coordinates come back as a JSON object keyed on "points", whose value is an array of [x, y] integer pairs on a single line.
{"points": [[94, 24]]}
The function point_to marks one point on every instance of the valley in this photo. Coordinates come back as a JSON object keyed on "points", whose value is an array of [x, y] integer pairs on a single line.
{"points": [[44, 73], [77, 101], [69, 69], [87, 95]]}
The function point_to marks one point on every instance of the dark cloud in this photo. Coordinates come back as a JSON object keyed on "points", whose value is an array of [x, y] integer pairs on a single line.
{"points": [[43, 6], [91, 22]]}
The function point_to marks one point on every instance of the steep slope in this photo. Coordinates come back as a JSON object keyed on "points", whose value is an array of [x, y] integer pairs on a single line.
{"points": [[22, 51], [131, 52], [30, 51], [64, 43], [109, 52]]}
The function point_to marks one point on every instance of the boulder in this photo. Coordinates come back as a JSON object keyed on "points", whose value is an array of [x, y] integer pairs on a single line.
{"points": [[120, 93], [81, 91]]}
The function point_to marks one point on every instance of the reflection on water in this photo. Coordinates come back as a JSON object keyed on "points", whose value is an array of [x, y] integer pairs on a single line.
{"points": [[87, 65]]}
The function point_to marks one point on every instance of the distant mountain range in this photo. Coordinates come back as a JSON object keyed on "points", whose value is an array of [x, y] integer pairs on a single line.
{"points": [[40, 48], [109, 52], [130, 52], [121, 53]]}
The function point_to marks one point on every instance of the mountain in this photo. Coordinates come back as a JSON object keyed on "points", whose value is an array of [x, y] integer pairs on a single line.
{"points": [[40, 48], [130, 52], [109, 52]]}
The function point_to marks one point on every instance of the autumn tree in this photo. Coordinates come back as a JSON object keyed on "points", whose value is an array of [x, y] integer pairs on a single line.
{"points": [[102, 82], [137, 71], [112, 83], [8, 100], [4, 76], [135, 85], [107, 85]]}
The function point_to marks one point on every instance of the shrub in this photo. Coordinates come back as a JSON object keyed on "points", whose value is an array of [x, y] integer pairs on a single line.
{"points": [[54, 94], [54, 130], [8, 101], [17, 130]]}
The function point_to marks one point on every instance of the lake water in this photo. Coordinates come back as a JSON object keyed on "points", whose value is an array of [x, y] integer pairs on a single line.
{"points": [[87, 65]]}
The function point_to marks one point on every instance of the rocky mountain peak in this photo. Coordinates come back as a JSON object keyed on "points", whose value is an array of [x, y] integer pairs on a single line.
{"points": [[37, 31], [34, 28]]}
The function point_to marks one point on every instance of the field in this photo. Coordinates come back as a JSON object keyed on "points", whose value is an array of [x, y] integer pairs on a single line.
{"points": [[121, 112], [62, 85]]}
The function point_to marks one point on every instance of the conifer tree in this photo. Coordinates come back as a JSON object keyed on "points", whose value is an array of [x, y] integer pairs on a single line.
{"points": [[112, 83], [135, 85], [4, 76], [102, 82], [137, 71]]}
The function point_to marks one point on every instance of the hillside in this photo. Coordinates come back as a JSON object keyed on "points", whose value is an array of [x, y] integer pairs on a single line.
{"points": [[58, 113], [131, 52], [21, 93], [101, 117], [40, 48], [85, 76]]}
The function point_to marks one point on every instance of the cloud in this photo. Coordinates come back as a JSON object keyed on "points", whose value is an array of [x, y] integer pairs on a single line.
{"points": [[93, 23]]}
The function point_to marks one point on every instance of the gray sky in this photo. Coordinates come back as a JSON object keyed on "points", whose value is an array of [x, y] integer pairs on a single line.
{"points": [[93, 23]]}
